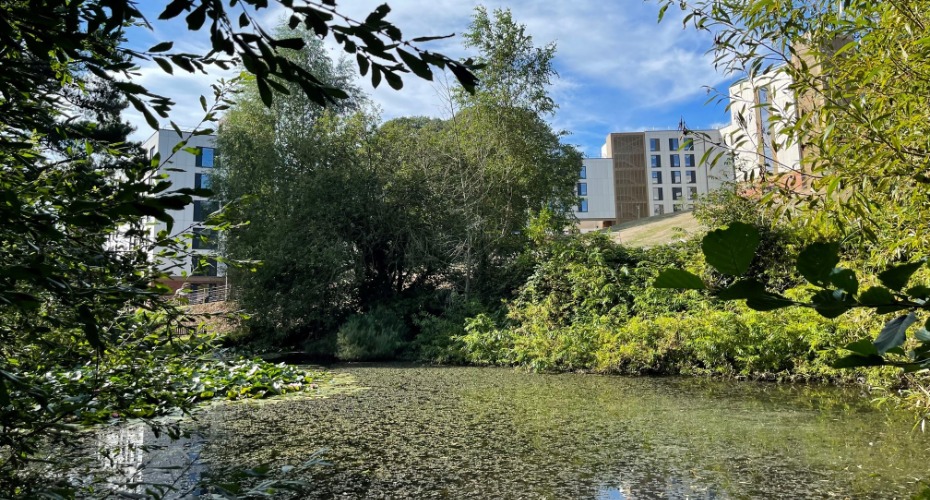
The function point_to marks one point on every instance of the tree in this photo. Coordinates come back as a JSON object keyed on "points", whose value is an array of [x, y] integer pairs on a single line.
{"points": [[856, 68], [85, 334]]}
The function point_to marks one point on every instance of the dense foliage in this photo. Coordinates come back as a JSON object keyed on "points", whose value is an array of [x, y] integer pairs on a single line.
{"points": [[86, 336], [414, 215]]}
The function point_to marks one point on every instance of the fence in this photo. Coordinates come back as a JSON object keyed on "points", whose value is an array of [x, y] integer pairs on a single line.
{"points": [[210, 293]]}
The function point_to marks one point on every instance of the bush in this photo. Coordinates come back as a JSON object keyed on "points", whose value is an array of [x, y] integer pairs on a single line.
{"points": [[375, 335]]}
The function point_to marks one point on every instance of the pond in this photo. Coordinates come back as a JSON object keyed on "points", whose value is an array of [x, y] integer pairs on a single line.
{"points": [[457, 432]]}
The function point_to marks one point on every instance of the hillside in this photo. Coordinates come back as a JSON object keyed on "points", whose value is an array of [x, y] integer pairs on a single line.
{"points": [[657, 230]]}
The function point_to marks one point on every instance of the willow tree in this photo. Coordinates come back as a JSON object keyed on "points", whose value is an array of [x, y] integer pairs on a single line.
{"points": [[858, 70]]}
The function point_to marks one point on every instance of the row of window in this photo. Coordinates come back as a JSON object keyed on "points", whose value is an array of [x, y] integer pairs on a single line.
{"points": [[203, 209], [675, 161], [691, 175], [677, 207], [204, 157], [673, 145], [677, 193]]}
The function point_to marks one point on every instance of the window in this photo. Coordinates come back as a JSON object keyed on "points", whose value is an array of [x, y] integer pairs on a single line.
{"points": [[202, 266], [689, 144], [656, 161], [152, 152], [657, 177], [692, 176], [657, 194], [582, 189], [689, 161], [676, 161], [203, 239], [673, 143], [658, 210], [692, 193], [676, 193], [584, 172], [676, 177], [653, 144], [583, 205], [690, 207], [205, 157], [678, 207], [202, 209], [202, 181]]}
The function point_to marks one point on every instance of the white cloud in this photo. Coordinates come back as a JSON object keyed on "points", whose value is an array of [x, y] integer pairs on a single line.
{"points": [[619, 68]]}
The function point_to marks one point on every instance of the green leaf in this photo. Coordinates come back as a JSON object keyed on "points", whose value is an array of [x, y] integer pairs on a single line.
{"points": [[415, 64], [264, 91], [678, 278], [817, 261], [919, 292], [876, 296], [162, 47], [897, 277], [892, 335], [862, 347], [831, 303], [731, 250], [856, 361], [845, 279], [922, 335]]}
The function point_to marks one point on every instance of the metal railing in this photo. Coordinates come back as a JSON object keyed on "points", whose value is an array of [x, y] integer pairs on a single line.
{"points": [[204, 295]]}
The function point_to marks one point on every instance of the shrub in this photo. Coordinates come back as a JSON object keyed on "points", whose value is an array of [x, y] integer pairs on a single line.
{"points": [[377, 334]]}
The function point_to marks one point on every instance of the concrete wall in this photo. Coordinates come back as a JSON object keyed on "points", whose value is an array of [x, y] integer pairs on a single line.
{"points": [[181, 169], [599, 181]]}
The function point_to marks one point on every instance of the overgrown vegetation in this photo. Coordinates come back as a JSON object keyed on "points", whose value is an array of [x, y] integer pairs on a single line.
{"points": [[423, 217]]}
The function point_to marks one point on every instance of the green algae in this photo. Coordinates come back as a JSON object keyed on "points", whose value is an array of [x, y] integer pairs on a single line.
{"points": [[451, 432]]}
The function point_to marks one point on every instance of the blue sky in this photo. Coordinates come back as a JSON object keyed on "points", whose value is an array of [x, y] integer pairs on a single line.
{"points": [[619, 70]]}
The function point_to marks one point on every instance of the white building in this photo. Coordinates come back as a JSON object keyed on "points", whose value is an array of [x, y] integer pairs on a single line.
{"points": [[191, 166], [649, 173], [760, 110]]}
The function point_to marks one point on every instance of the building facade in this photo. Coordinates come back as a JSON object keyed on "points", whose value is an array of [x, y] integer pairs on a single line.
{"points": [[643, 174], [760, 110], [190, 167]]}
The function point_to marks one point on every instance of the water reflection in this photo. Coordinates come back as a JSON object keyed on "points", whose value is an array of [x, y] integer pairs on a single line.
{"points": [[420, 432], [133, 460]]}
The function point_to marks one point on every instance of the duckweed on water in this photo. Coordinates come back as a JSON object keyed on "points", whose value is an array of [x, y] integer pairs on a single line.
{"points": [[427, 432]]}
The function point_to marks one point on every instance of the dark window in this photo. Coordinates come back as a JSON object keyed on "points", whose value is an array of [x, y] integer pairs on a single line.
{"points": [[653, 144], [657, 177], [582, 189], [203, 239], [202, 181], [201, 266], [692, 176], [657, 194], [656, 161], [689, 161], [205, 157], [658, 210], [692, 193], [673, 144], [676, 177], [676, 161], [689, 144], [584, 172], [583, 205], [676, 193], [203, 209]]}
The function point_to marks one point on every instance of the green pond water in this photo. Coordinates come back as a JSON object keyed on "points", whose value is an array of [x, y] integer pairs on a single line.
{"points": [[434, 432]]}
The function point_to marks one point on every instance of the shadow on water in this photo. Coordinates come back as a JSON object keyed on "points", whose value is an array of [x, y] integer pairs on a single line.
{"points": [[425, 432]]}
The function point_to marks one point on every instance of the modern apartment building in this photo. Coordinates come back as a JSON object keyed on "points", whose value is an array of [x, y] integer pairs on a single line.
{"points": [[760, 110], [649, 173], [185, 168]]}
